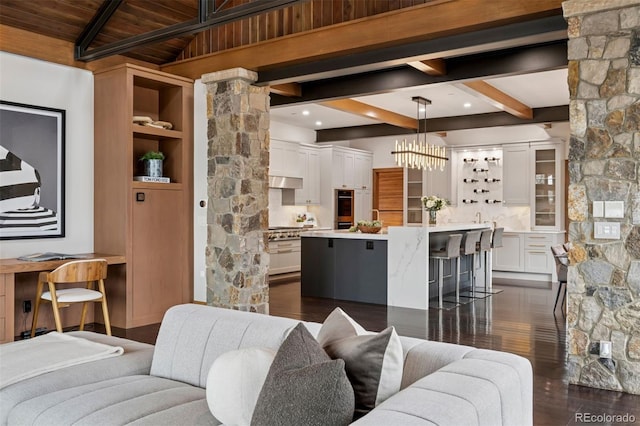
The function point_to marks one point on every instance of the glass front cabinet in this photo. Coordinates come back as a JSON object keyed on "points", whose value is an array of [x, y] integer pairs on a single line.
{"points": [[547, 195]]}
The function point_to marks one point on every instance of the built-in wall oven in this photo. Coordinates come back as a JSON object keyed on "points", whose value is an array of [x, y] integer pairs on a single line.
{"points": [[344, 209]]}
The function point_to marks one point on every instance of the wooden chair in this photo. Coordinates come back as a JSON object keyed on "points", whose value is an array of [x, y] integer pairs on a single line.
{"points": [[77, 271]]}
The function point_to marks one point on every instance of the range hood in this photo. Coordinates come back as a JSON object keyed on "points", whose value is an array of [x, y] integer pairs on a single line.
{"points": [[285, 182]]}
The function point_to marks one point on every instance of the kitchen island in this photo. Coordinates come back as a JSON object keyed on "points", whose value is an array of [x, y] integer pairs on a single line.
{"points": [[392, 268]]}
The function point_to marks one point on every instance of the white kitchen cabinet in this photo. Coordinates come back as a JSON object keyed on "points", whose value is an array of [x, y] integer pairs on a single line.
{"points": [[343, 166], [438, 182], [547, 190], [509, 257], [363, 170], [283, 159], [284, 256], [516, 175], [414, 189], [363, 199], [309, 163]]}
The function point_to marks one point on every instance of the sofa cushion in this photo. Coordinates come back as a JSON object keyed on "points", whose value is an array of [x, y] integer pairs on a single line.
{"points": [[234, 383], [373, 361], [304, 386]]}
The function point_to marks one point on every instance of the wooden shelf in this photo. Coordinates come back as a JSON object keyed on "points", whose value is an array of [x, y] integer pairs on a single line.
{"points": [[146, 132], [172, 186]]}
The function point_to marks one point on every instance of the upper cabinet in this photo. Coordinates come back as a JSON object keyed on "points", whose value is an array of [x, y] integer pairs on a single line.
{"points": [[547, 200], [351, 168], [309, 163], [517, 178], [283, 159]]}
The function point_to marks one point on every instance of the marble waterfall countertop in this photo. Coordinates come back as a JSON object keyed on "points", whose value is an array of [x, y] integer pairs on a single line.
{"points": [[449, 227]]}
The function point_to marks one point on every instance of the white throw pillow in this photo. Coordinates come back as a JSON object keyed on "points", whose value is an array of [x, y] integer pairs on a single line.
{"points": [[234, 383], [374, 362]]}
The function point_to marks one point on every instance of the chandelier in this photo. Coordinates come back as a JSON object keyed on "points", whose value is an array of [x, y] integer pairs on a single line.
{"points": [[419, 154]]}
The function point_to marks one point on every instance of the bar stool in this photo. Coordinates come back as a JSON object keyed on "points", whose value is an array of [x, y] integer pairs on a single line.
{"points": [[496, 242], [483, 248], [471, 239], [450, 252]]}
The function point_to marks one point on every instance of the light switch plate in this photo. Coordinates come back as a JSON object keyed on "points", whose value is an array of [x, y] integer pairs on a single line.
{"points": [[614, 209], [606, 230], [598, 209]]}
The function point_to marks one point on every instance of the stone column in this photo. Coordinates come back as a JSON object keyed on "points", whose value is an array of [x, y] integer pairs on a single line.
{"points": [[604, 165], [237, 217]]}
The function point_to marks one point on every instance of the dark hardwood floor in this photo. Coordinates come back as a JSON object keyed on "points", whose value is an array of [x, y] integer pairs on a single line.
{"points": [[518, 320]]}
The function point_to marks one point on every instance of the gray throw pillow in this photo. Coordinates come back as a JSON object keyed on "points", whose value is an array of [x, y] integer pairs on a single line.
{"points": [[304, 386]]}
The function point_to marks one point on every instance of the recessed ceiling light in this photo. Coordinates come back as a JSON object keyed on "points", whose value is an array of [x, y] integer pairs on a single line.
{"points": [[305, 112], [318, 123], [467, 105]]}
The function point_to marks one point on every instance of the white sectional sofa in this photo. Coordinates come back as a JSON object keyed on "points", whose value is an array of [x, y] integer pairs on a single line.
{"points": [[442, 384]]}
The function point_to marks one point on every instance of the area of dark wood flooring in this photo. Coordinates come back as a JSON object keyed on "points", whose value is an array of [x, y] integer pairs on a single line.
{"points": [[518, 320]]}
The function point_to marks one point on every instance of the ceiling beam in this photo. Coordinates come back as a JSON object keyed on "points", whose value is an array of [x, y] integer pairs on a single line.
{"points": [[513, 61], [369, 111], [430, 21], [208, 17], [286, 89], [444, 124], [431, 66], [497, 98]]}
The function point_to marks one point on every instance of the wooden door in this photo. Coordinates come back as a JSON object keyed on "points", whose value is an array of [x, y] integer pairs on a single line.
{"points": [[388, 194], [159, 263]]}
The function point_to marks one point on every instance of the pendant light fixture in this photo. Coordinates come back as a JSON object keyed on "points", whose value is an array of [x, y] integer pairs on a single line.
{"points": [[419, 154]]}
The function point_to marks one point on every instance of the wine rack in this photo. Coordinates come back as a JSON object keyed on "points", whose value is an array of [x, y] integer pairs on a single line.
{"points": [[481, 175]]}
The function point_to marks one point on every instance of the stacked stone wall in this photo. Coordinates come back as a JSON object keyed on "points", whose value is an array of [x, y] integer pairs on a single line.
{"points": [[604, 165], [237, 217]]}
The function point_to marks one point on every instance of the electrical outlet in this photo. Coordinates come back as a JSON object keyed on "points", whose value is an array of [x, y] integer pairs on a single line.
{"points": [[605, 349], [26, 306]]}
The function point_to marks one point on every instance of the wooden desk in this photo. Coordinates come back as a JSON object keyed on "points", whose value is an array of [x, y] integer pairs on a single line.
{"points": [[8, 270]]}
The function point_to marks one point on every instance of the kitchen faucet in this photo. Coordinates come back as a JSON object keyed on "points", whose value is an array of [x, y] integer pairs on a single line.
{"points": [[479, 217]]}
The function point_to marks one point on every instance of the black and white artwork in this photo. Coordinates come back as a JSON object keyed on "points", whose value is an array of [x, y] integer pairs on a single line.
{"points": [[31, 171]]}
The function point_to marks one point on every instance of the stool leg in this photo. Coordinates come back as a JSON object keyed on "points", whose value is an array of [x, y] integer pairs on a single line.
{"points": [[473, 275], [457, 280], [440, 281]]}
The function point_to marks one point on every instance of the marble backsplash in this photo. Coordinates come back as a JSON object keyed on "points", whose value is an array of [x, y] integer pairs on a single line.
{"points": [[511, 218]]}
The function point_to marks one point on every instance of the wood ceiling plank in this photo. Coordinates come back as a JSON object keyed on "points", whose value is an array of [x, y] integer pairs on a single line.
{"points": [[369, 111], [498, 98], [429, 21], [431, 66]]}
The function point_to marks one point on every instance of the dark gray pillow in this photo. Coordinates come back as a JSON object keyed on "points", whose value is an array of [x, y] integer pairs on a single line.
{"points": [[304, 386]]}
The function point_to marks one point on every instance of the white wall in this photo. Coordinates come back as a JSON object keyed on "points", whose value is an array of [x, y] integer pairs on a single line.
{"points": [[289, 133], [200, 160], [33, 82]]}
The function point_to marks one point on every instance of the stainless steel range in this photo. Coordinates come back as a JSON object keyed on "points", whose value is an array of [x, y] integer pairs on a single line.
{"points": [[284, 249]]}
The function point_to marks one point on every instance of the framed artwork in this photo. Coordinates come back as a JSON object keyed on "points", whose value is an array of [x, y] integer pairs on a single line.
{"points": [[31, 171]]}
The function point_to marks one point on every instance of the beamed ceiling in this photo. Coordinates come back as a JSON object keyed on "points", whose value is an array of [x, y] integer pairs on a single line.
{"points": [[321, 53]]}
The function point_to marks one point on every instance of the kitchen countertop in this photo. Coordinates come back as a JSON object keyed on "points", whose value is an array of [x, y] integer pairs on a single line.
{"points": [[334, 233]]}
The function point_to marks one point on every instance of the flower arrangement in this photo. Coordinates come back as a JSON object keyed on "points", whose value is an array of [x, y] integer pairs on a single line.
{"points": [[434, 203]]}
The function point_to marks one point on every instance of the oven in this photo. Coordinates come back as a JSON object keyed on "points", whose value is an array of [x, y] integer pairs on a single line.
{"points": [[344, 209]]}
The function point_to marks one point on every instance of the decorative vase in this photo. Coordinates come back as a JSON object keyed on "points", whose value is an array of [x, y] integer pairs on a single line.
{"points": [[432, 217], [153, 168]]}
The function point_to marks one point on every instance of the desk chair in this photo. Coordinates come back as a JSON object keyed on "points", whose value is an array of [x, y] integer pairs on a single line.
{"points": [[562, 266], [77, 271], [450, 252]]}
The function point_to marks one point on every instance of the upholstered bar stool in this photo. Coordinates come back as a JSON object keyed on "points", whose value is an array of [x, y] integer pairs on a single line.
{"points": [[450, 252], [496, 242], [469, 248], [483, 248]]}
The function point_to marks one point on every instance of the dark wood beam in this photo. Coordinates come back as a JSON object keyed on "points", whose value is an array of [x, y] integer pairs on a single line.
{"points": [[436, 125], [431, 21], [513, 61]]}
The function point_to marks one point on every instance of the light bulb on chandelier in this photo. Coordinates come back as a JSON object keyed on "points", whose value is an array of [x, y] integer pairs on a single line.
{"points": [[419, 154]]}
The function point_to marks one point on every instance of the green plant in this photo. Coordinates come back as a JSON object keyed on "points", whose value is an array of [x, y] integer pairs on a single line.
{"points": [[152, 155]]}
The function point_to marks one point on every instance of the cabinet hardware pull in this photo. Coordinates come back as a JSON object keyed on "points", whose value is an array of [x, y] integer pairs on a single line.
{"points": [[538, 238], [536, 245], [538, 252], [285, 251]]}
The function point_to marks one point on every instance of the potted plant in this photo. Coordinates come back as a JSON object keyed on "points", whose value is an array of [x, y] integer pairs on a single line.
{"points": [[152, 163]]}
